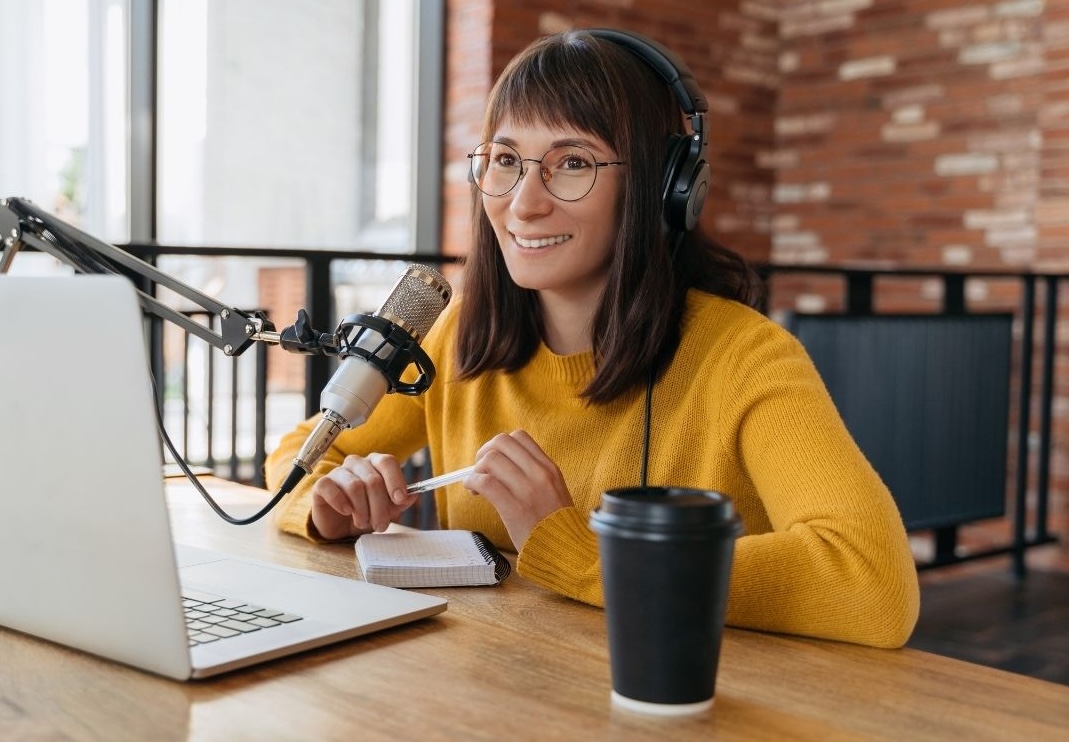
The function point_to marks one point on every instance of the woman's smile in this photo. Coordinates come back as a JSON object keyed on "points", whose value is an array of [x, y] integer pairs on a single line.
{"points": [[536, 243]]}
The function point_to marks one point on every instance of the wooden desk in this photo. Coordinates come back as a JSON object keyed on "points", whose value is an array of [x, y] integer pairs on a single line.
{"points": [[511, 662]]}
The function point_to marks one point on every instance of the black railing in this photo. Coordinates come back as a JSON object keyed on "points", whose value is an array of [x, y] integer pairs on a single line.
{"points": [[859, 298], [197, 446]]}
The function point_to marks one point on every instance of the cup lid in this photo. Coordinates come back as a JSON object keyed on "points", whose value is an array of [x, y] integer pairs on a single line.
{"points": [[665, 507]]}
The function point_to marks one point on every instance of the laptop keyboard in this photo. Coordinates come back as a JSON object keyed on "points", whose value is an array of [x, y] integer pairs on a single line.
{"points": [[210, 618]]}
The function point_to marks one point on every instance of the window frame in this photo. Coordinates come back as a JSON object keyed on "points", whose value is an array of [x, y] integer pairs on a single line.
{"points": [[426, 216]]}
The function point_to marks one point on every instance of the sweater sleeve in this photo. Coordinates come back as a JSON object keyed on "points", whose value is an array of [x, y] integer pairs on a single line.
{"points": [[561, 554], [836, 563]]}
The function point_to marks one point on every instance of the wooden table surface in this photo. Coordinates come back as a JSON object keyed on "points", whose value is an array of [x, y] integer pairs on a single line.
{"points": [[513, 662]]}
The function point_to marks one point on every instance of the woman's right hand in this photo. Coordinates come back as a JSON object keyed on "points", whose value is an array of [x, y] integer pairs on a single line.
{"points": [[360, 496]]}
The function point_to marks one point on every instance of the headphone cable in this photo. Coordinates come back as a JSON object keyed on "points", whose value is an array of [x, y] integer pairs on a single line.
{"points": [[646, 429]]}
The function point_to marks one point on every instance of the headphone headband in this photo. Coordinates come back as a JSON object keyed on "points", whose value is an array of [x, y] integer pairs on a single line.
{"points": [[666, 63], [686, 173]]}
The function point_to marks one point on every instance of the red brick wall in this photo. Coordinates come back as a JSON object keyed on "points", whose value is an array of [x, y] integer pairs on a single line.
{"points": [[909, 134], [926, 134], [282, 290]]}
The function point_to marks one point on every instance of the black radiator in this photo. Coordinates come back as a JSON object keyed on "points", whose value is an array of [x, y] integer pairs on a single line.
{"points": [[927, 399]]}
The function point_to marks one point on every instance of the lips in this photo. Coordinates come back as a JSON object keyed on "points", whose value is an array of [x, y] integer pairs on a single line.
{"points": [[534, 244]]}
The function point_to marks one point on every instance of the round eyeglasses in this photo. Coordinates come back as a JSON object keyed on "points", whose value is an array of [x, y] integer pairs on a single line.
{"points": [[568, 172]]}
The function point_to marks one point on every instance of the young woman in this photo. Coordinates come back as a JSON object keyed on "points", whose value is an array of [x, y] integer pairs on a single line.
{"points": [[580, 315]]}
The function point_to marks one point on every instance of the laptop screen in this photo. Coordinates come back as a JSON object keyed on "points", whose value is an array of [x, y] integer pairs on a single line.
{"points": [[83, 520]]}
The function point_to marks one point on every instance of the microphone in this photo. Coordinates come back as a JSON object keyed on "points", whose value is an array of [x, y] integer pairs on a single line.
{"points": [[377, 349]]}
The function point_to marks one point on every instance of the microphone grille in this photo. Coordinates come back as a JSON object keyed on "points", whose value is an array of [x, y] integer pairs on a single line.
{"points": [[418, 297]]}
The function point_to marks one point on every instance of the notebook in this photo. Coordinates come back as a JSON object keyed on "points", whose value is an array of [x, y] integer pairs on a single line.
{"points": [[448, 558], [87, 558]]}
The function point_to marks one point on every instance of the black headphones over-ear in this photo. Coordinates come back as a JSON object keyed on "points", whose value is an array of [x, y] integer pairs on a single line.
{"points": [[686, 174]]}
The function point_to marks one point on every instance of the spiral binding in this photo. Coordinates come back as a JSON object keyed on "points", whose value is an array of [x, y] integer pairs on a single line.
{"points": [[502, 567]]}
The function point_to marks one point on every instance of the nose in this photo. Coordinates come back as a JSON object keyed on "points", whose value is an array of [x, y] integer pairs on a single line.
{"points": [[530, 197]]}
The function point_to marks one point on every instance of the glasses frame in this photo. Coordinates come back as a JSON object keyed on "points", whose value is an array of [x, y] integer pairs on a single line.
{"points": [[541, 170]]}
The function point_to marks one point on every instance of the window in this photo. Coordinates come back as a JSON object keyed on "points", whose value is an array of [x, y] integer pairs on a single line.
{"points": [[63, 143], [230, 123], [277, 123], [287, 124]]}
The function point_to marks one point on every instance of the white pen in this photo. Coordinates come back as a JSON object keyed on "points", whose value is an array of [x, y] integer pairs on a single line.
{"points": [[440, 481]]}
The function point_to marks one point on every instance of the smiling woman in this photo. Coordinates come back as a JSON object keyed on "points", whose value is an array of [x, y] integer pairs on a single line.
{"points": [[567, 365], [556, 232]]}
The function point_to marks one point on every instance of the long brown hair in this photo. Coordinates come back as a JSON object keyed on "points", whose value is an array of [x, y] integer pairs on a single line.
{"points": [[574, 79]]}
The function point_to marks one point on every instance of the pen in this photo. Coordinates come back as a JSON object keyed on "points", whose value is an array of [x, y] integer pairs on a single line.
{"points": [[440, 481]]}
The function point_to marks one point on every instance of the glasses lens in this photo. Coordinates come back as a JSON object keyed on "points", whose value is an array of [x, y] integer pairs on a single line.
{"points": [[569, 172], [495, 168]]}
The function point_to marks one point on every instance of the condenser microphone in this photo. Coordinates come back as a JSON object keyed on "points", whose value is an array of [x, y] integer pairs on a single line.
{"points": [[377, 350]]}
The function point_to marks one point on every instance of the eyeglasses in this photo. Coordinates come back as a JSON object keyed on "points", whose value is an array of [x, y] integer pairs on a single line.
{"points": [[567, 172]]}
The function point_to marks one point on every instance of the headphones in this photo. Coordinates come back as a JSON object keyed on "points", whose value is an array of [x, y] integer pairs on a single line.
{"points": [[686, 173]]}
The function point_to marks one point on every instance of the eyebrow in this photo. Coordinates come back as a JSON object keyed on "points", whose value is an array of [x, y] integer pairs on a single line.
{"points": [[568, 142]]}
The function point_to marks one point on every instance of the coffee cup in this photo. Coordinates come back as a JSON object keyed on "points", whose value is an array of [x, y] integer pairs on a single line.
{"points": [[666, 555]]}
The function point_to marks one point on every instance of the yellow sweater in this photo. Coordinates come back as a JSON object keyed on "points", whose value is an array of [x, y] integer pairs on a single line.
{"points": [[741, 410]]}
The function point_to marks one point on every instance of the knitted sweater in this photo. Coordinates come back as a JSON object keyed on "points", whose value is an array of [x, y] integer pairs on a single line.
{"points": [[741, 410]]}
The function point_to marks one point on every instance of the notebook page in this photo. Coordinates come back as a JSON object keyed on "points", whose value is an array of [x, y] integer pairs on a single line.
{"points": [[423, 559]]}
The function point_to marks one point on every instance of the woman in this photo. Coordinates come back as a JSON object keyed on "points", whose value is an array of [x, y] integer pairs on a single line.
{"points": [[579, 316]]}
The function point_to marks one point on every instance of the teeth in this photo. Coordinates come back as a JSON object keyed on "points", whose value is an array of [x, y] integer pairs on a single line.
{"points": [[543, 242]]}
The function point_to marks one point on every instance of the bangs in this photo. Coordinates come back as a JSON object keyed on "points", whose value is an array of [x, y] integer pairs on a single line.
{"points": [[562, 84]]}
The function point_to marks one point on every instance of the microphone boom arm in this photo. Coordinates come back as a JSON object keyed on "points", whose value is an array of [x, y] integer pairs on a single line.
{"points": [[23, 223], [383, 345]]}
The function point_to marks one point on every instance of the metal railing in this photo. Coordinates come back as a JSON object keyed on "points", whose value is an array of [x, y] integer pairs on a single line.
{"points": [[859, 299], [859, 293]]}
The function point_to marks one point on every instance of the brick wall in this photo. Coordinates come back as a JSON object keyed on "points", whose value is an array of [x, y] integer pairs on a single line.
{"points": [[909, 133], [926, 134], [282, 289], [1052, 209]]}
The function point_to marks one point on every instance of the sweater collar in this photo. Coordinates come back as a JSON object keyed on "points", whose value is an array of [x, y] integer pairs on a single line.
{"points": [[576, 369]]}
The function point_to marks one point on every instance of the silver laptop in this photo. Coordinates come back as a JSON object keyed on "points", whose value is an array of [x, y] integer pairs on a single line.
{"points": [[86, 553]]}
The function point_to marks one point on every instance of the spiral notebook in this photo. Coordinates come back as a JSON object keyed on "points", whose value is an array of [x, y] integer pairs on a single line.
{"points": [[446, 558]]}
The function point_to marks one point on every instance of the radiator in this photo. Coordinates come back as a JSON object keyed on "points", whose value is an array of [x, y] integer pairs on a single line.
{"points": [[926, 397]]}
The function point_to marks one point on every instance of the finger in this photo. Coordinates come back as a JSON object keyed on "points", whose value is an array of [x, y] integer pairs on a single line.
{"points": [[351, 480], [525, 453], [505, 444], [410, 499], [328, 493], [331, 510], [393, 476], [497, 475], [528, 443], [385, 489], [375, 504]]}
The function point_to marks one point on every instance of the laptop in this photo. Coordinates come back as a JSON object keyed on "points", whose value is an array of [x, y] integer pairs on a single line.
{"points": [[87, 558]]}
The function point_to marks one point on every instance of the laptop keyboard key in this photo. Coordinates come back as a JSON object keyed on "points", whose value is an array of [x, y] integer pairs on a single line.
{"points": [[211, 617], [221, 631]]}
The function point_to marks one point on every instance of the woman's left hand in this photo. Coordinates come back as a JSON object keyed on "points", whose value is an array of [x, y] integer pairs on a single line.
{"points": [[517, 477]]}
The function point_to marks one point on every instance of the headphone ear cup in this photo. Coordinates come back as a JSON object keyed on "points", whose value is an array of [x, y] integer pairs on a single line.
{"points": [[674, 161], [699, 189], [686, 183]]}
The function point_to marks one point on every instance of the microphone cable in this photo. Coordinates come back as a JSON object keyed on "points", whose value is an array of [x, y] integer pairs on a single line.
{"points": [[285, 489]]}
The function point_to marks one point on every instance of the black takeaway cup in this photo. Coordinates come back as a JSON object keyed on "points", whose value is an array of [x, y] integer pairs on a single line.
{"points": [[666, 555]]}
